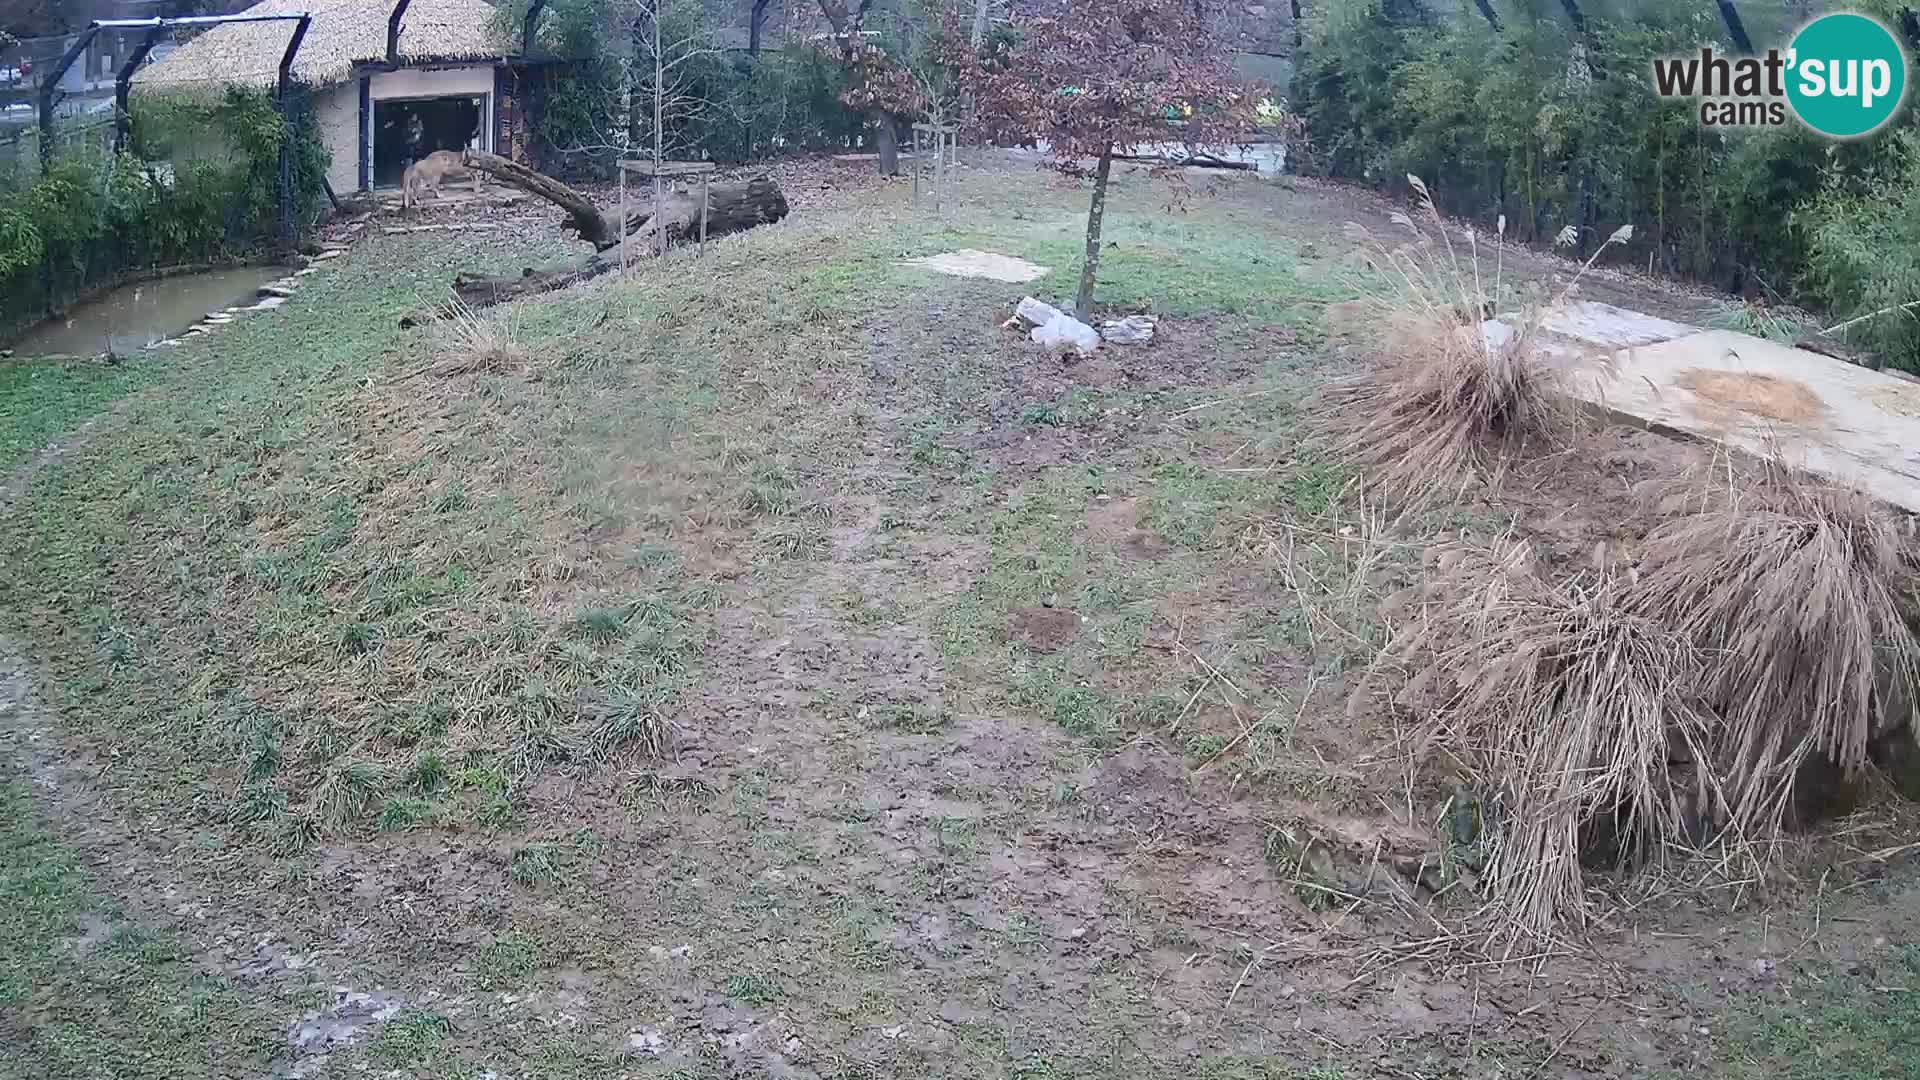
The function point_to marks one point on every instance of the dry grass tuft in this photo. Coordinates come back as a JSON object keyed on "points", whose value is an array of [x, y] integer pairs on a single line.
{"points": [[1759, 645], [1422, 423], [1796, 591], [1431, 416], [468, 342], [1566, 706]]}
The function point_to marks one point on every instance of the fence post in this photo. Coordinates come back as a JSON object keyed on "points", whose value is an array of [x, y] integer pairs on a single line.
{"points": [[50, 82], [283, 103], [123, 89]]}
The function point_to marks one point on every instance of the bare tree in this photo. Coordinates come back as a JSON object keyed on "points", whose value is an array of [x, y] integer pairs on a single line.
{"points": [[655, 97], [879, 85], [1113, 76]]}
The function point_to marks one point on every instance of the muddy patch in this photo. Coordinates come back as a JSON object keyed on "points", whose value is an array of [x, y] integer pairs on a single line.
{"points": [[350, 1017], [1116, 522], [1043, 629]]}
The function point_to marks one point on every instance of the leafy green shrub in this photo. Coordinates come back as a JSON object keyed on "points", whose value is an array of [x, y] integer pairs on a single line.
{"points": [[201, 185], [1863, 254], [1550, 127], [722, 105]]}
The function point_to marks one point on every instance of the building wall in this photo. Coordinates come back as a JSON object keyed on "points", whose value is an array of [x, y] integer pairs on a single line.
{"points": [[337, 110], [446, 82], [337, 114]]}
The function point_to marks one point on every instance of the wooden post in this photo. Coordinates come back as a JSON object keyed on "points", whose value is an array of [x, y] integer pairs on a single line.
{"points": [[916, 164], [660, 172], [939, 170], [659, 130], [623, 217]]}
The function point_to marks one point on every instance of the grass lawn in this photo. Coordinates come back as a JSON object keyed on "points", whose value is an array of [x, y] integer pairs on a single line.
{"points": [[41, 400], [765, 664]]}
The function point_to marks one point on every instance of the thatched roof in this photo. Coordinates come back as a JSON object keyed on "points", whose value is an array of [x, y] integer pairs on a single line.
{"points": [[343, 33]]}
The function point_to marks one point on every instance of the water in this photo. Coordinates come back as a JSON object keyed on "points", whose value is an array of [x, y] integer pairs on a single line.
{"points": [[136, 316]]}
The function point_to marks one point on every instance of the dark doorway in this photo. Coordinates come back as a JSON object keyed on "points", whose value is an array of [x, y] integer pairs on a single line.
{"points": [[408, 129]]}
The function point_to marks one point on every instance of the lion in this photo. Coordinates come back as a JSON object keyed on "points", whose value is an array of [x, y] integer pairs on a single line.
{"points": [[430, 172]]}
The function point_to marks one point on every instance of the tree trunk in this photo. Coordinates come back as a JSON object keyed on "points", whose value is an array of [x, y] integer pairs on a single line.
{"points": [[1083, 304], [755, 23], [981, 8], [1735, 28], [1487, 12], [731, 207], [885, 143], [659, 113], [1575, 16], [583, 216]]}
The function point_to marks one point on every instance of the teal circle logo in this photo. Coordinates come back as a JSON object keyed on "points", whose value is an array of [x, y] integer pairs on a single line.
{"points": [[1846, 75]]}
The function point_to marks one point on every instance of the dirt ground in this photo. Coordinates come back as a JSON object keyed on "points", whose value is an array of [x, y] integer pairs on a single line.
{"points": [[1011, 700]]}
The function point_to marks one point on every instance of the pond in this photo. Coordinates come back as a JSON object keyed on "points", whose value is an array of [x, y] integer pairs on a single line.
{"points": [[133, 317]]}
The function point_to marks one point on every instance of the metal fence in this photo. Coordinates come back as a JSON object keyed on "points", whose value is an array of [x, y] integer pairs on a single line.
{"points": [[20, 147]]}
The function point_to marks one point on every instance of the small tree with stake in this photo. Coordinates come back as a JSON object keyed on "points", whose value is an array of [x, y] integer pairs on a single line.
{"points": [[1104, 78]]}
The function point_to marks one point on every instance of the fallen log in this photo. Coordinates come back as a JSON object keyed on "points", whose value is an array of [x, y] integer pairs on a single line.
{"points": [[1195, 161], [582, 216], [732, 207], [478, 291]]}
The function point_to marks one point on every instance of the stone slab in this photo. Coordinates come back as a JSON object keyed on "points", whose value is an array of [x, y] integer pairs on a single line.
{"points": [[980, 264], [1850, 424], [1575, 331]]}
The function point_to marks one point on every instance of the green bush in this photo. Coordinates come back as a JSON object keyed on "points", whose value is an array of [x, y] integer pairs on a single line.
{"points": [[723, 105], [1863, 253], [94, 217], [1552, 128]]}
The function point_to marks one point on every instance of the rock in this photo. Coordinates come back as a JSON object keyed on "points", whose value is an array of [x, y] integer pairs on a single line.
{"points": [[269, 303], [1132, 330], [276, 290], [1036, 312], [648, 1041], [330, 253], [1065, 332], [959, 1012], [6, 354], [305, 270]]}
